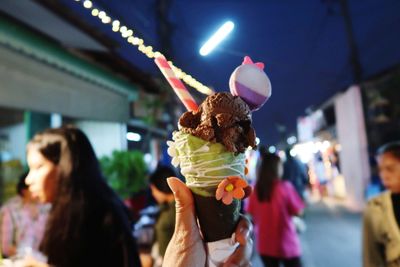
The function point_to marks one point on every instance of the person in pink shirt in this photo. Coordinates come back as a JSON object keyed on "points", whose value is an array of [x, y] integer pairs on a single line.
{"points": [[272, 205]]}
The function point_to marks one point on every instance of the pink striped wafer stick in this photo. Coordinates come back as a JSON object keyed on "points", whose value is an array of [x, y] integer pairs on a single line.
{"points": [[176, 84]]}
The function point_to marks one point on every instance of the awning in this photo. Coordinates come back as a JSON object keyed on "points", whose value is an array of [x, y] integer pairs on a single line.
{"points": [[36, 74]]}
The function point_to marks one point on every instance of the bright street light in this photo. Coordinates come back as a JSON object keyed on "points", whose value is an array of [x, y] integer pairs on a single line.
{"points": [[217, 38]]}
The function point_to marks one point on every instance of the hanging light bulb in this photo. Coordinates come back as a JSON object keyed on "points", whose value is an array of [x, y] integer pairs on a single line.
{"points": [[147, 50], [116, 23], [102, 14], [88, 4], [95, 12]]}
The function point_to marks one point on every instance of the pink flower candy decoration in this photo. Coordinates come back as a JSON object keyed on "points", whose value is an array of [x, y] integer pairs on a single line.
{"points": [[230, 188]]}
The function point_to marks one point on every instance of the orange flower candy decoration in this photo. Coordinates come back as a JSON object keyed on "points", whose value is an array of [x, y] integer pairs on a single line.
{"points": [[230, 188]]}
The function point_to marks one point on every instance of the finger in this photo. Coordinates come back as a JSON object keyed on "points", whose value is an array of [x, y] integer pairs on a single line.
{"points": [[183, 196], [185, 214], [186, 247], [240, 258], [242, 255], [247, 191], [243, 230]]}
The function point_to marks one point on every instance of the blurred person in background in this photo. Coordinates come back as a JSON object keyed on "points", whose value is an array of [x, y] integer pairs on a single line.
{"points": [[295, 172], [381, 222], [165, 224], [375, 185], [272, 206], [88, 224], [22, 221]]}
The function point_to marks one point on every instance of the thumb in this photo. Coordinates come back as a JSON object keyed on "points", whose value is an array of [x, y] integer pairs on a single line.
{"points": [[184, 204], [186, 247]]}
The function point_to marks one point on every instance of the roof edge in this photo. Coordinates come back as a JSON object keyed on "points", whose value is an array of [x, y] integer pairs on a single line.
{"points": [[23, 40]]}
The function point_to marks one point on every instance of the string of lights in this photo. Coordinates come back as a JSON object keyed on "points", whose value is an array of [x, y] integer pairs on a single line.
{"points": [[139, 43]]}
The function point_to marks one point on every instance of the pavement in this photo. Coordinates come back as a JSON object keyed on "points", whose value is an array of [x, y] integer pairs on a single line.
{"points": [[332, 237]]}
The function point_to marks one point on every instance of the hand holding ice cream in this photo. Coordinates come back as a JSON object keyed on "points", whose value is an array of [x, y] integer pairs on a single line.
{"points": [[186, 247]]}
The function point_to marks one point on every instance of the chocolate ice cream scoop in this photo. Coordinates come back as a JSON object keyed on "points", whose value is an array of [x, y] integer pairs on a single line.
{"points": [[221, 118]]}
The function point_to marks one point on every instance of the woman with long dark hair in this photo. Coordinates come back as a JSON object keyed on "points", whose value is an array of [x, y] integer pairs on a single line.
{"points": [[272, 206], [88, 224]]}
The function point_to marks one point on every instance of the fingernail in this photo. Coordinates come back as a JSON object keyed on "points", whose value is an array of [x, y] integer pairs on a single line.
{"points": [[245, 232], [172, 184], [233, 239]]}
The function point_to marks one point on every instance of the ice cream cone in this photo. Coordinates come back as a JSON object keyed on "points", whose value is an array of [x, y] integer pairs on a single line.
{"points": [[205, 165]]}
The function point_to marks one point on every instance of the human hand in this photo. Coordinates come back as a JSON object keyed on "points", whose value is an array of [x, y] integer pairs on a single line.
{"points": [[243, 235], [186, 247]]}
